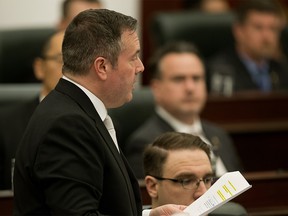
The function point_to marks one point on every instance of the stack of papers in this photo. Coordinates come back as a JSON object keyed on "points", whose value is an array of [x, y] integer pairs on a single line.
{"points": [[227, 187]]}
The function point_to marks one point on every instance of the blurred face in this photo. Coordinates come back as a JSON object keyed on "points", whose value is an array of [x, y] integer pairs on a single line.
{"points": [[181, 90], [258, 36], [214, 6], [74, 9], [123, 76], [49, 68], [182, 164]]}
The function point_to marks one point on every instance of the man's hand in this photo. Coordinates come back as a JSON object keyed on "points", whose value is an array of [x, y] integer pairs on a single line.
{"points": [[168, 210]]}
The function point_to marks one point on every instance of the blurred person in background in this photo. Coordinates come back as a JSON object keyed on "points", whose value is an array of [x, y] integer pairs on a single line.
{"points": [[179, 89], [70, 8], [255, 63], [14, 118], [209, 6]]}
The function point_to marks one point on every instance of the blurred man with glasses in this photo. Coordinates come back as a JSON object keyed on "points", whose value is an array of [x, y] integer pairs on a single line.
{"points": [[14, 118], [178, 170]]}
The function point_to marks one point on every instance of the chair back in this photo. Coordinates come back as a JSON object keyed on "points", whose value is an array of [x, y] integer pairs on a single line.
{"points": [[210, 32], [132, 115], [18, 49]]}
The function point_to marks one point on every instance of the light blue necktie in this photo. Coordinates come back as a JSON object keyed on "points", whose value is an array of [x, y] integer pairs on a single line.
{"points": [[263, 79]]}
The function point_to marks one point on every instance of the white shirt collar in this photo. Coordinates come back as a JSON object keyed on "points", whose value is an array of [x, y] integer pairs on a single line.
{"points": [[97, 103], [195, 128]]}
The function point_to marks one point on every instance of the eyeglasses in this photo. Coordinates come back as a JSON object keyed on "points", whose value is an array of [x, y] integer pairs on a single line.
{"points": [[189, 183], [57, 58]]}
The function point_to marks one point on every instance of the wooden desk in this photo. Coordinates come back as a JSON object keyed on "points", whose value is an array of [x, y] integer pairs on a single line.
{"points": [[268, 195], [247, 106], [258, 125], [6, 203]]}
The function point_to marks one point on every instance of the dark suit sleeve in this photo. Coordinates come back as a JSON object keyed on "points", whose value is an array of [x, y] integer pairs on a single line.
{"points": [[69, 167]]}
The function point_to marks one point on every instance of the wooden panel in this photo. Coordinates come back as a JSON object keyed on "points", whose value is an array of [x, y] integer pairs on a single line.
{"points": [[6, 203], [268, 195], [258, 125], [247, 107]]}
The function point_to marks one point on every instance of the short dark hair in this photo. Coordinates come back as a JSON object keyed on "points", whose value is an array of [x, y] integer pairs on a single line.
{"points": [[171, 47], [94, 33], [155, 154], [264, 6], [46, 45], [66, 5]]}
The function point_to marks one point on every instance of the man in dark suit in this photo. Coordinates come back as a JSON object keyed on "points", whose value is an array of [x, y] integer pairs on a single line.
{"points": [[69, 162], [14, 118], [179, 89], [256, 63]]}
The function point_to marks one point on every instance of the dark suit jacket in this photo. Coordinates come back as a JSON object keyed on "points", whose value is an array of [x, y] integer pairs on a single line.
{"points": [[13, 121], [230, 62], [155, 126], [67, 163]]}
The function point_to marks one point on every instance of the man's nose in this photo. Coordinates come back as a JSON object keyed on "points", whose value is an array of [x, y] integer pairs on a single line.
{"points": [[140, 68], [201, 189]]}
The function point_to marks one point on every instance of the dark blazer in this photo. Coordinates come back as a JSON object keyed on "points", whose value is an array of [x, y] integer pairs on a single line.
{"points": [[229, 62], [13, 121], [67, 163], [155, 126]]}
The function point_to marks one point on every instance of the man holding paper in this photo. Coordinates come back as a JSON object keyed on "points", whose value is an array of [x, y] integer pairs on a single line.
{"points": [[178, 170]]}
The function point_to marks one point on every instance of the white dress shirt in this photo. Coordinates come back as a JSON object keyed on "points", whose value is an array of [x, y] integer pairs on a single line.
{"points": [[98, 104]]}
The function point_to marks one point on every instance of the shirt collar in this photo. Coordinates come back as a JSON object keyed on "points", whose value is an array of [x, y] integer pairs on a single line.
{"points": [[195, 128], [97, 103], [252, 67]]}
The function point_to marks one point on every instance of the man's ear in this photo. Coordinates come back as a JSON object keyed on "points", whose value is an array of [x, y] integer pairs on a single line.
{"points": [[151, 186], [155, 86], [38, 70], [236, 30], [101, 66]]}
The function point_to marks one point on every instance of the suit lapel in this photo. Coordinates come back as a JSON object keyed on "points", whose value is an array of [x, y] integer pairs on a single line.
{"points": [[213, 139], [136, 199], [77, 95]]}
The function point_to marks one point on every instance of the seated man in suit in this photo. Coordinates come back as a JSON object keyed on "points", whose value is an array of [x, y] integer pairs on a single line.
{"points": [[14, 118], [254, 63], [179, 89], [70, 8], [178, 170]]}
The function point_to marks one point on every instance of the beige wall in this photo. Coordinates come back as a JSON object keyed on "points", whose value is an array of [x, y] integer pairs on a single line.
{"points": [[45, 13]]}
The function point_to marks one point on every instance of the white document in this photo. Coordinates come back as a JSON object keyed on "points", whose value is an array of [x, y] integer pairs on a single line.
{"points": [[227, 187]]}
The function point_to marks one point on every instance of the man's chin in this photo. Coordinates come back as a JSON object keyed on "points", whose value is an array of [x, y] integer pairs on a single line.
{"points": [[129, 97]]}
